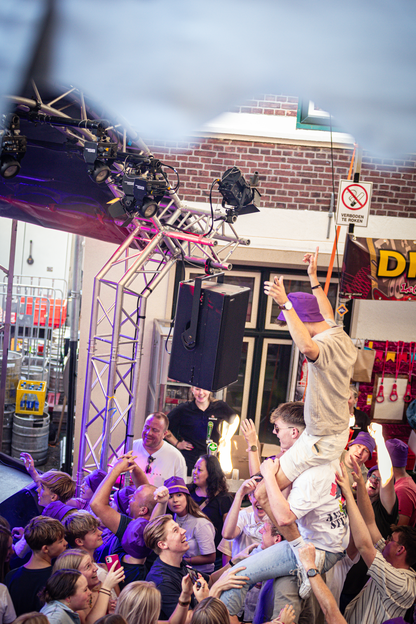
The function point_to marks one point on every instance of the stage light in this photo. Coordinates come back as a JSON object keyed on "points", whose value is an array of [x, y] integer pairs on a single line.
{"points": [[238, 196], [95, 152], [100, 172], [13, 146]]}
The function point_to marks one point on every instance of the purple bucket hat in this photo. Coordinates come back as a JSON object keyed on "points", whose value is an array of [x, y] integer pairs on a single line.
{"points": [[94, 479], [306, 307], [58, 510], [366, 440], [121, 498], [398, 452], [133, 541], [176, 485]]}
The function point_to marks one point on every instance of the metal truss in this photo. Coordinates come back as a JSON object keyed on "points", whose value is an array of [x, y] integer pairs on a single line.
{"points": [[178, 232], [202, 236]]}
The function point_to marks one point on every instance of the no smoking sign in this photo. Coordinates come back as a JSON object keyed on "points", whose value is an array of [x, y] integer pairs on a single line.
{"points": [[353, 204]]}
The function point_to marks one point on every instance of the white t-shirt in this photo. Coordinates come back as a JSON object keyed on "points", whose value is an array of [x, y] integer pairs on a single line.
{"points": [[315, 499], [169, 462], [7, 612], [326, 400]]}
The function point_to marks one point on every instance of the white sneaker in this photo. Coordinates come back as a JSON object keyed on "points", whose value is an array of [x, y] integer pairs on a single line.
{"points": [[303, 579]]}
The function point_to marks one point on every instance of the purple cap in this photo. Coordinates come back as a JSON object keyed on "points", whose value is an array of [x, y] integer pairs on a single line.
{"points": [[94, 479], [366, 440], [176, 485], [121, 498], [398, 452], [306, 307], [372, 469], [58, 510], [133, 541]]}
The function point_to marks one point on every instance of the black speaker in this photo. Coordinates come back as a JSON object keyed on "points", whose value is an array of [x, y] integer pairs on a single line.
{"points": [[208, 357]]}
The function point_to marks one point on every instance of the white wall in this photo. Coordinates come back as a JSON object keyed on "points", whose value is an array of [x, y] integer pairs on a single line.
{"points": [[51, 249]]}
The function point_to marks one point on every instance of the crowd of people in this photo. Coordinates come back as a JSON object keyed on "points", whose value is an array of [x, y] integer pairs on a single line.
{"points": [[312, 536]]}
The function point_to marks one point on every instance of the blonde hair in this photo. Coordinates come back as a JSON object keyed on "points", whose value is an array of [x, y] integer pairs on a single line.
{"points": [[155, 532], [210, 611], [59, 483], [32, 618], [139, 603], [78, 524], [70, 559]]}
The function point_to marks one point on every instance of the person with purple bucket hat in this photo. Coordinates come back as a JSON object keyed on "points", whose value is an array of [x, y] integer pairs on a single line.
{"points": [[360, 449], [404, 485], [331, 356]]}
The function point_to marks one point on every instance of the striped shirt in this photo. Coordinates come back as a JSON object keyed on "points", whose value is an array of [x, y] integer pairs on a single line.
{"points": [[387, 595]]}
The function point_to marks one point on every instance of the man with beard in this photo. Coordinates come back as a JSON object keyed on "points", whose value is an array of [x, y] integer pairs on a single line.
{"points": [[158, 459]]}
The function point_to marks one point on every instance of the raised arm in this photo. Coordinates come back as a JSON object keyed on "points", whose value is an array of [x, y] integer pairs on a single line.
{"points": [[280, 507], [100, 502], [324, 305], [364, 503], [30, 466], [230, 530], [297, 329], [249, 432], [361, 534], [322, 592], [385, 467]]}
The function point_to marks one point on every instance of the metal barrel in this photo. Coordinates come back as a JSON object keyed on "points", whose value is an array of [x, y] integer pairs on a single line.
{"points": [[14, 365], [30, 434]]}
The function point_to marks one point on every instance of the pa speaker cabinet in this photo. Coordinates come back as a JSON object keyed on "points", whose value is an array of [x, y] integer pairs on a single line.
{"points": [[214, 362]]}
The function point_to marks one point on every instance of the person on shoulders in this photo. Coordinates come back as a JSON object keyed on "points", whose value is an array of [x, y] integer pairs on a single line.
{"points": [[331, 356], [158, 459]]}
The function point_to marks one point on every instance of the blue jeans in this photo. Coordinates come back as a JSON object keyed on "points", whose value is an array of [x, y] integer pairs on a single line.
{"points": [[277, 560]]}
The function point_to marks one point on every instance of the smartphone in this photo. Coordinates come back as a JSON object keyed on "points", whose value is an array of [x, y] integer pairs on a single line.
{"points": [[194, 577], [110, 559]]}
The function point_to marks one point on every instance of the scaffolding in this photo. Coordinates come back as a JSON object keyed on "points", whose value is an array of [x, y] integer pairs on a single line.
{"points": [[178, 232]]}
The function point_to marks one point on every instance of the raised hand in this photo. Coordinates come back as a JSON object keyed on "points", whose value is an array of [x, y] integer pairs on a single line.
{"points": [[270, 467], [249, 485], [161, 494], [248, 430], [276, 290], [311, 259]]}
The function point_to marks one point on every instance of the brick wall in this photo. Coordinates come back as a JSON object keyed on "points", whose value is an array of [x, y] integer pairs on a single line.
{"points": [[291, 176]]}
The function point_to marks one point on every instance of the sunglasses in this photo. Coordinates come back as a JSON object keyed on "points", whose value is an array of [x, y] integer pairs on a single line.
{"points": [[150, 461]]}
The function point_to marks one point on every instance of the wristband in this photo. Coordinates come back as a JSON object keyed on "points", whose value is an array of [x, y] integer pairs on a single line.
{"points": [[177, 442], [231, 563], [183, 603], [105, 591], [317, 286]]}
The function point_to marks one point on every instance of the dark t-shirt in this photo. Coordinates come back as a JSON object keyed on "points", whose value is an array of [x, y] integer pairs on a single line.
{"points": [[112, 546], [362, 421], [24, 586], [188, 422], [215, 509], [168, 580], [132, 572]]}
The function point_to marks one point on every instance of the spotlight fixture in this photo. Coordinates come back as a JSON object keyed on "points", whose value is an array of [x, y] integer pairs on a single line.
{"points": [[237, 195], [144, 186], [96, 155], [13, 147]]}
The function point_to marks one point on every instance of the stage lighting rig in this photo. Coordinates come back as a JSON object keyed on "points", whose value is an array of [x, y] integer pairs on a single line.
{"points": [[13, 146], [144, 185], [237, 195], [97, 155]]}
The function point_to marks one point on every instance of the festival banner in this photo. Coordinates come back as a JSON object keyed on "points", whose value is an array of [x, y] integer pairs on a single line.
{"points": [[379, 268]]}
